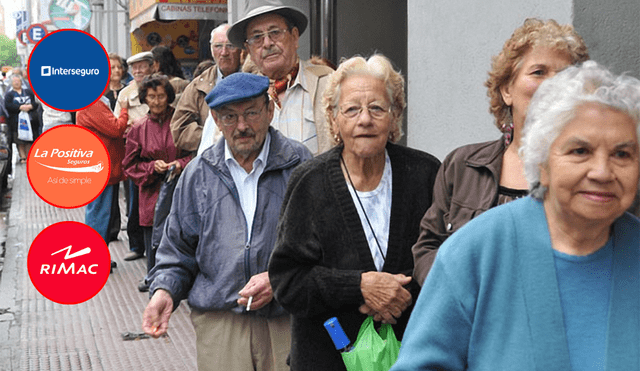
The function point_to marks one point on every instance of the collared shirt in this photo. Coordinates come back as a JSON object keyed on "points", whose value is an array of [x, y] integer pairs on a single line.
{"points": [[247, 184], [295, 119], [219, 75]]}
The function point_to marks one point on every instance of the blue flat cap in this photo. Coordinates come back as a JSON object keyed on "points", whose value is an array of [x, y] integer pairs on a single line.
{"points": [[236, 87]]}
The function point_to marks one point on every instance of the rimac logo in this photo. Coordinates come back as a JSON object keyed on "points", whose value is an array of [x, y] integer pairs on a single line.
{"points": [[71, 274], [71, 268]]}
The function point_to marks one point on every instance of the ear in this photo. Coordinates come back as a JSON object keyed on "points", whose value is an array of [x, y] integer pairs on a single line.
{"points": [[215, 119], [334, 125], [544, 175], [505, 91], [296, 35], [270, 110]]}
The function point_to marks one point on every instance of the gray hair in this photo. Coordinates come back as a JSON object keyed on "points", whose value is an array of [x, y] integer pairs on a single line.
{"points": [[556, 102], [377, 66], [221, 28]]}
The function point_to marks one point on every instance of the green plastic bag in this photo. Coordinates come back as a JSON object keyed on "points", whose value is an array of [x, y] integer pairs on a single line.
{"points": [[372, 351]]}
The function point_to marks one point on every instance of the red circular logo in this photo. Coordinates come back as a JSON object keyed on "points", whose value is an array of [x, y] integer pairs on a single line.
{"points": [[68, 166], [69, 262]]}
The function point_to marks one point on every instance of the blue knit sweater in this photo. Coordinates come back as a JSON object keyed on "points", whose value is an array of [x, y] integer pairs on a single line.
{"points": [[491, 300]]}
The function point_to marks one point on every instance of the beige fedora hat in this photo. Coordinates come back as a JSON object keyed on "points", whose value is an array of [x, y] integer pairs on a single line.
{"points": [[237, 32]]}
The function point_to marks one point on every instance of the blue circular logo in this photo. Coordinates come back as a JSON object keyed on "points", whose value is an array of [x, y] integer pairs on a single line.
{"points": [[69, 70]]}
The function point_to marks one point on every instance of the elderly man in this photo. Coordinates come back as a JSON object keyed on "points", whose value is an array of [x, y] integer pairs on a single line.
{"points": [[270, 33], [192, 110], [220, 234], [141, 66]]}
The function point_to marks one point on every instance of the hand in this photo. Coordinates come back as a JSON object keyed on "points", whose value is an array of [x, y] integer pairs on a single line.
{"points": [[160, 166], [124, 104], [178, 168], [155, 319], [260, 288], [26, 107], [384, 296]]}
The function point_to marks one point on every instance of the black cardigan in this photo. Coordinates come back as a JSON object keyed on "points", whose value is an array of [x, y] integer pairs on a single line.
{"points": [[321, 249]]}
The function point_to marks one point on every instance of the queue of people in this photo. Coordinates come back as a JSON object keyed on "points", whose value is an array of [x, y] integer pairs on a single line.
{"points": [[294, 204]]}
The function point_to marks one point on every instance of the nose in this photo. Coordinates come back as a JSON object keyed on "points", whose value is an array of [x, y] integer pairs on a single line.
{"points": [[267, 41], [601, 169], [364, 118]]}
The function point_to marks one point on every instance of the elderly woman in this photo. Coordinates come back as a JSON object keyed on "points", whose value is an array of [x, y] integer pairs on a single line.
{"points": [[118, 75], [550, 281], [350, 217], [477, 177], [150, 152], [19, 99]]}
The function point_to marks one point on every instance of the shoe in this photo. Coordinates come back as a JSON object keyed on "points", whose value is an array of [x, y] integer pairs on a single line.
{"points": [[113, 265], [132, 255], [143, 285]]}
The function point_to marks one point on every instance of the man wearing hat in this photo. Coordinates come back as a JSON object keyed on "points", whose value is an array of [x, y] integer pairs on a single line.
{"points": [[270, 32], [221, 231], [141, 66], [192, 110]]}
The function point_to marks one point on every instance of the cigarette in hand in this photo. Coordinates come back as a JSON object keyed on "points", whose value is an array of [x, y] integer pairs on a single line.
{"points": [[249, 303]]}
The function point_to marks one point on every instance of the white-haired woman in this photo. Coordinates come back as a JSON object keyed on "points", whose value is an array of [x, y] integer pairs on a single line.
{"points": [[550, 281], [350, 217]]}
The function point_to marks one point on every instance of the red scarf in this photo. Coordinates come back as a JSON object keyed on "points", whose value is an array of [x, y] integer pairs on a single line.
{"points": [[278, 86]]}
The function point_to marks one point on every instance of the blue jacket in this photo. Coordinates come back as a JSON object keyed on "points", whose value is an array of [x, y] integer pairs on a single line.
{"points": [[204, 254], [491, 300]]}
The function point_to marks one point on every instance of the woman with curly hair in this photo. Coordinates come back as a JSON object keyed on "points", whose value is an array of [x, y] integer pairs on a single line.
{"points": [[477, 177]]}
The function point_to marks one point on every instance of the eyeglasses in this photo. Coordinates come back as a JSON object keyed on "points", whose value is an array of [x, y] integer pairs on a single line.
{"points": [[354, 111], [251, 116], [220, 46], [276, 34]]}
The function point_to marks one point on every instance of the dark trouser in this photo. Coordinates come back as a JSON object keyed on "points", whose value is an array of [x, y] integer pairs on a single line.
{"points": [[134, 231], [148, 247], [114, 220]]}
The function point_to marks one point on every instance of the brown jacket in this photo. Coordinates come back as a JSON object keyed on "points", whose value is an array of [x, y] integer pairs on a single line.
{"points": [[192, 111], [466, 186]]}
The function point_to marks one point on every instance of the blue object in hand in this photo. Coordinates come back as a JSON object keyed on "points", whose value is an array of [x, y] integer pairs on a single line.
{"points": [[340, 339]]}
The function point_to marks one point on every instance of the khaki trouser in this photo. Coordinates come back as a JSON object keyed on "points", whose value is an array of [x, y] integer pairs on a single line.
{"points": [[228, 341]]}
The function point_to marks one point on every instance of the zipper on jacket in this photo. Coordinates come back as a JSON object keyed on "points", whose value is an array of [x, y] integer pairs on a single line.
{"points": [[247, 262]]}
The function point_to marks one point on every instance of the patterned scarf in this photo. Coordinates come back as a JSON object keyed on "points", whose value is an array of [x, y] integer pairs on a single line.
{"points": [[278, 86]]}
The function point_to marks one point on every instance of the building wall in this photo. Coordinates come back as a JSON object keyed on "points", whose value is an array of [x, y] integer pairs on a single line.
{"points": [[611, 29], [110, 25], [450, 45]]}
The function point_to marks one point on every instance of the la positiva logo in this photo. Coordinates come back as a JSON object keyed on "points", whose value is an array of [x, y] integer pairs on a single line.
{"points": [[64, 174], [69, 262]]}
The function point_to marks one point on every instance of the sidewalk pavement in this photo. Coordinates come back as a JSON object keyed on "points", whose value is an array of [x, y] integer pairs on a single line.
{"points": [[38, 334]]}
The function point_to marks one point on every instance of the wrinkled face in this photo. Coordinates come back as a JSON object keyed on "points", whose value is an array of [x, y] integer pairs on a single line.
{"points": [[117, 71], [140, 70], [157, 100], [226, 55], [246, 137], [363, 135], [275, 59], [537, 65], [592, 171]]}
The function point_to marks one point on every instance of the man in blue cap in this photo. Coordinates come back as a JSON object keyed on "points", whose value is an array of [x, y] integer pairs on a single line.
{"points": [[220, 233]]}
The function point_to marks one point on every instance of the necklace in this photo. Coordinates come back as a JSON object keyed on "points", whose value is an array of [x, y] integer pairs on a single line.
{"points": [[384, 258]]}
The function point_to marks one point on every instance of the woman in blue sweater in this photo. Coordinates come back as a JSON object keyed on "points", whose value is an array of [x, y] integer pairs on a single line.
{"points": [[550, 281]]}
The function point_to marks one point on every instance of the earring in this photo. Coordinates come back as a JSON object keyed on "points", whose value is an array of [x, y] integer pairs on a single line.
{"points": [[337, 138]]}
